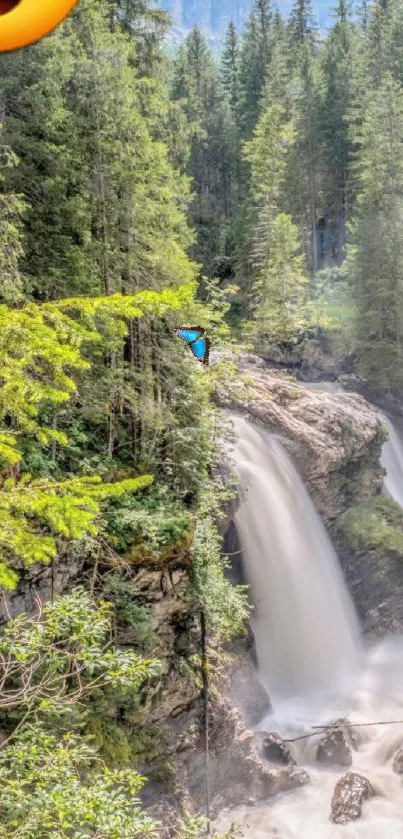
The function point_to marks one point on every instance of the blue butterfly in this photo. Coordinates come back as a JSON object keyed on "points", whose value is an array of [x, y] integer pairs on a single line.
{"points": [[197, 340]]}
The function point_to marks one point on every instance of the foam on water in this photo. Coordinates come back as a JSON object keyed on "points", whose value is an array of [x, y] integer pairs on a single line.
{"points": [[304, 813], [310, 655]]}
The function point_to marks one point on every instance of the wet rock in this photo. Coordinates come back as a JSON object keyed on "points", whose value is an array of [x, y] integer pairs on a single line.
{"points": [[276, 751], [336, 746], [247, 692], [349, 795], [397, 764], [236, 771]]}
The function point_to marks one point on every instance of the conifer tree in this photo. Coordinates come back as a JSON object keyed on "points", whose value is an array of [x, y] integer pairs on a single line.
{"points": [[12, 208], [304, 179], [211, 161], [279, 289], [254, 59], [337, 72], [230, 66], [302, 27], [375, 258]]}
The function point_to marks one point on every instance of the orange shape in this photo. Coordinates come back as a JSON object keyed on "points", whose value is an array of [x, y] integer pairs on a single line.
{"points": [[22, 22]]}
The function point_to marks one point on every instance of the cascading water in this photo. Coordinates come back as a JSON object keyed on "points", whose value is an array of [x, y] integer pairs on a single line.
{"points": [[307, 635], [392, 461], [309, 656]]}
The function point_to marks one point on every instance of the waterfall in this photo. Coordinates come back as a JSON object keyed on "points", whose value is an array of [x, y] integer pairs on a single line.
{"points": [[392, 461], [306, 631], [307, 640]]}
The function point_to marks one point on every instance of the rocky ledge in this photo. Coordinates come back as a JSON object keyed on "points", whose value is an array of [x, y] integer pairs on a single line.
{"points": [[334, 440]]}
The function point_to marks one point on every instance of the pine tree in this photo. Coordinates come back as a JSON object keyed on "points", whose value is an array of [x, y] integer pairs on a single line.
{"points": [[211, 161], [337, 72], [375, 258], [279, 288], [254, 59], [11, 214], [230, 66], [395, 39], [36, 124], [302, 27]]}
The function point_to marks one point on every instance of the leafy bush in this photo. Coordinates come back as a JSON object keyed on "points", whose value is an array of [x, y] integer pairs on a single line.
{"points": [[63, 654], [377, 524]]}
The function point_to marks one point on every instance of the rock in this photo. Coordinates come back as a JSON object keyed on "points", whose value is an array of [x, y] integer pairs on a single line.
{"points": [[247, 692], [349, 794], [335, 440], [389, 401], [276, 751], [236, 772], [397, 764], [336, 746], [166, 812]]}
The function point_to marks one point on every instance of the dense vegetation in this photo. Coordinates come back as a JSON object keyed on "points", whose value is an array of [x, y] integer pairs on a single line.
{"points": [[260, 196], [295, 158]]}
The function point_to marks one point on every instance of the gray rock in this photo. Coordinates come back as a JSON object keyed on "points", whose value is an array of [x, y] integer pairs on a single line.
{"points": [[247, 692], [236, 771], [276, 751], [349, 795], [335, 441], [336, 747], [397, 764]]}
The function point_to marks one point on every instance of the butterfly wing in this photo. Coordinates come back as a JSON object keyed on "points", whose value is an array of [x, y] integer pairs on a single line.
{"points": [[189, 333], [200, 349]]}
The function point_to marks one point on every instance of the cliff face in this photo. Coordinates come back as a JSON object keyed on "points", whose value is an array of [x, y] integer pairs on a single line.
{"points": [[335, 441]]}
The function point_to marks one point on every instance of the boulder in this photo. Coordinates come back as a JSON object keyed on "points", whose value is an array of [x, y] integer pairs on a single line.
{"points": [[275, 750], [397, 764], [349, 794], [335, 748], [247, 692], [335, 440], [237, 774]]}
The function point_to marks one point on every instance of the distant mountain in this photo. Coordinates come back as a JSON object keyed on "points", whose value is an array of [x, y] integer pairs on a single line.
{"points": [[213, 16]]}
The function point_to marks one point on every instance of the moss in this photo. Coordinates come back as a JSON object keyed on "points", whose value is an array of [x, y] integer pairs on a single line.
{"points": [[295, 394], [112, 741], [377, 524], [149, 748]]}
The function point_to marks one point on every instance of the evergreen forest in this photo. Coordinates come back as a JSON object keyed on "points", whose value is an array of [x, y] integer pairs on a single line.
{"points": [[259, 193]]}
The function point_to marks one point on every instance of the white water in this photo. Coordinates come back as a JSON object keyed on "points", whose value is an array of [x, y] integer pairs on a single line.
{"points": [[309, 656], [304, 813], [392, 461], [307, 635]]}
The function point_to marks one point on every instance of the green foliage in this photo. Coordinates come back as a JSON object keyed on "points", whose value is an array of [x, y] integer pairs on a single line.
{"points": [[63, 653], [375, 258], [212, 150], [376, 524], [12, 208], [59, 788], [130, 612], [225, 606], [149, 529]]}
